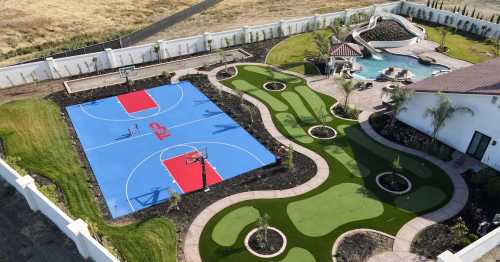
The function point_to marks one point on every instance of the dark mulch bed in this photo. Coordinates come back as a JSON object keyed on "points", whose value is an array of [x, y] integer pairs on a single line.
{"points": [[393, 182], [361, 246], [274, 86], [408, 136], [273, 244], [482, 206], [434, 240], [323, 132], [387, 30], [226, 73]]}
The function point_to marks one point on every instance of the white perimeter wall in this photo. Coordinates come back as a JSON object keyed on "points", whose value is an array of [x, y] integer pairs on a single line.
{"points": [[76, 230], [110, 59], [459, 130]]}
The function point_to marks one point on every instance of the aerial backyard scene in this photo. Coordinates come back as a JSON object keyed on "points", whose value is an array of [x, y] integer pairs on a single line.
{"points": [[225, 130]]}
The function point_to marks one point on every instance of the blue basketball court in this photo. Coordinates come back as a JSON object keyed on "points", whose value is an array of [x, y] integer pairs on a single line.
{"points": [[143, 145]]}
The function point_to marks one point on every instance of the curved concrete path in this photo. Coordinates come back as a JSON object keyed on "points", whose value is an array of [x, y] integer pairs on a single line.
{"points": [[404, 237], [402, 243], [191, 243]]}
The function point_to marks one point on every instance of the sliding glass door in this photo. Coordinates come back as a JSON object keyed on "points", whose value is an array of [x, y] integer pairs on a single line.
{"points": [[478, 145]]}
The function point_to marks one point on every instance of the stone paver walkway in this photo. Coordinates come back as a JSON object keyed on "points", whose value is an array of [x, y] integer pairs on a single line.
{"points": [[191, 243], [408, 232]]}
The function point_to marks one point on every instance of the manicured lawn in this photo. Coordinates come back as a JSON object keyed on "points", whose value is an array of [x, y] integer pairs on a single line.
{"points": [[34, 131], [290, 53], [349, 198], [463, 47]]}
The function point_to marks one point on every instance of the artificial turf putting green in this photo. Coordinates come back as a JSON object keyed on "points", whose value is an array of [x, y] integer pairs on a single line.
{"points": [[341, 204], [289, 122], [227, 230], [417, 167], [298, 254], [355, 145], [315, 102], [412, 202], [275, 104], [355, 167], [300, 109]]}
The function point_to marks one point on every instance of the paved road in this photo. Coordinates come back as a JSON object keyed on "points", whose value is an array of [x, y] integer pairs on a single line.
{"points": [[29, 236]]}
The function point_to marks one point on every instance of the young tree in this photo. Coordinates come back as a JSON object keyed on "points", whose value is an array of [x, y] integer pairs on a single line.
{"points": [[398, 96], [497, 46], [443, 112], [156, 49], [94, 61], [263, 226], [396, 165], [222, 57], [175, 198], [443, 32], [347, 88], [248, 109], [322, 42]]}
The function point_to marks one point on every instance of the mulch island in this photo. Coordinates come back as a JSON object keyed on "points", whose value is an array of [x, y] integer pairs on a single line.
{"points": [[322, 132], [393, 182], [226, 73], [361, 246], [387, 30], [273, 244], [274, 86]]}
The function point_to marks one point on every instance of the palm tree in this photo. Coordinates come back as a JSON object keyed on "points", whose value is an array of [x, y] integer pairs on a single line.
{"points": [[399, 96], [263, 225], [347, 88], [322, 43], [442, 112], [443, 32]]}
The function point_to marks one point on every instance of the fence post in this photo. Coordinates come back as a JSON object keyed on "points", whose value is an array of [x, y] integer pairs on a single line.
{"points": [[78, 228], [27, 186], [282, 26], [111, 57], [51, 65], [347, 16], [246, 29], [163, 47], [207, 37]]}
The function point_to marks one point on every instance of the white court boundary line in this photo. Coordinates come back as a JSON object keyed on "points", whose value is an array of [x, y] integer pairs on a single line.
{"points": [[189, 145], [146, 134], [172, 107]]}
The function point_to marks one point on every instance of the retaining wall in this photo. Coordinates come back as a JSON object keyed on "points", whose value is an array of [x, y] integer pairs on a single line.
{"points": [[76, 230]]}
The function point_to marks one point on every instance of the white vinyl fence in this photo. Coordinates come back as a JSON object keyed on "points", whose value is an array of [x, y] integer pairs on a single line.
{"points": [[76, 230], [116, 58]]}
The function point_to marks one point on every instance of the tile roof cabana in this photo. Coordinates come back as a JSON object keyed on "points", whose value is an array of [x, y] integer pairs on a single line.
{"points": [[345, 50]]}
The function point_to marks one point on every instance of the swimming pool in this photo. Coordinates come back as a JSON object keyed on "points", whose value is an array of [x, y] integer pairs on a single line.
{"points": [[372, 67]]}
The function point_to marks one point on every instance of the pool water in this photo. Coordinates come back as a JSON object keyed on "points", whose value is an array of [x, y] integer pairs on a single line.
{"points": [[372, 67]]}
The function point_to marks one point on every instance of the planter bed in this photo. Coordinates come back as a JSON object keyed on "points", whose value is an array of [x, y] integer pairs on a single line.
{"points": [[408, 136], [275, 246], [361, 246]]}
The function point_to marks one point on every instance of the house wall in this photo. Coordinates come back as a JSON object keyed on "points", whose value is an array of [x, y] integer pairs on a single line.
{"points": [[459, 130]]}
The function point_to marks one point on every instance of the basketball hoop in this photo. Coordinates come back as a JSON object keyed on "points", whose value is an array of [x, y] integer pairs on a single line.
{"points": [[126, 72], [201, 158]]}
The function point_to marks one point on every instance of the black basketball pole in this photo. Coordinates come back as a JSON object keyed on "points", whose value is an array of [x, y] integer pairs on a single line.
{"points": [[204, 174]]}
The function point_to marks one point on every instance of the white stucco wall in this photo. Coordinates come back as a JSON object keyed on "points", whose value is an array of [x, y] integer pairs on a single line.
{"points": [[459, 130]]}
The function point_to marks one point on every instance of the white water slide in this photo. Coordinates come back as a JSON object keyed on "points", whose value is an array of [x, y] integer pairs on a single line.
{"points": [[356, 34]]}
